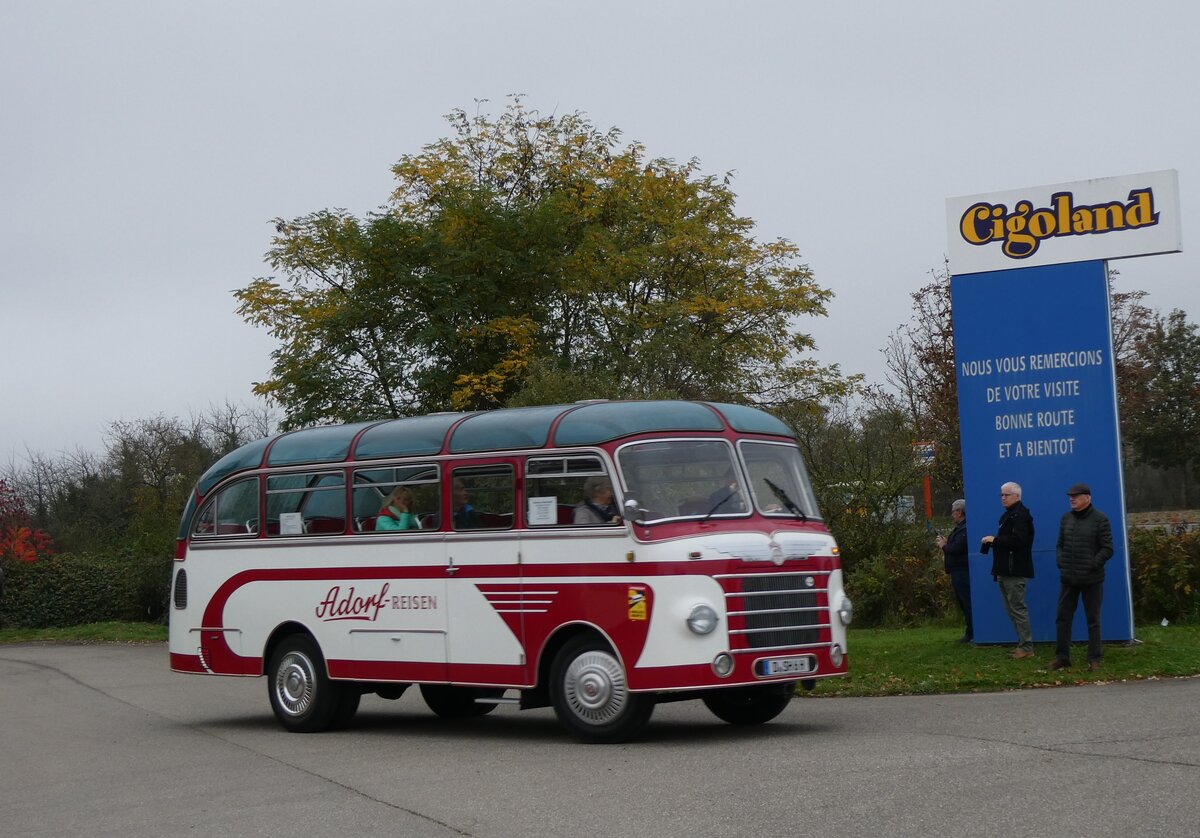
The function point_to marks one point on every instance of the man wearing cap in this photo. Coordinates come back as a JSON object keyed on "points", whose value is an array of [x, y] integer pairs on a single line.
{"points": [[1012, 563], [954, 555], [1084, 545]]}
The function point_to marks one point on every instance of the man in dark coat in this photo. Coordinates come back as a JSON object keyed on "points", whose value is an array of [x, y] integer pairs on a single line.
{"points": [[1012, 563], [1084, 544], [954, 555]]}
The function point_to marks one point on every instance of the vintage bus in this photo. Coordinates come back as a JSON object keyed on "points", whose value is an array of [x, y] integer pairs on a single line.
{"points": [[597, 557]]}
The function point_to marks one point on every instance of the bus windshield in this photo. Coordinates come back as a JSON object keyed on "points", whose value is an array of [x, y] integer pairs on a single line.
{"points": [[778, 480], [671, 479]]}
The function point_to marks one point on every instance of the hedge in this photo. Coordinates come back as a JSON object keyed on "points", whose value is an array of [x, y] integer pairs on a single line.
{"points": [[72, 589]]}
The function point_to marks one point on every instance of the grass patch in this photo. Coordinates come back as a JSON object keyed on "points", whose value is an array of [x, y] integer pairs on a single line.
{"points": [[929, 660], [113, 632], [917, 661]]}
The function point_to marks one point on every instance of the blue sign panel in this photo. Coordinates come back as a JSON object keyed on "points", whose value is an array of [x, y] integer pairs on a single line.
{"points": [[1038, 406]]}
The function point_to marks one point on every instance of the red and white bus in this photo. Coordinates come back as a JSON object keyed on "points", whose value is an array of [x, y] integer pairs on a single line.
{"points": [[711, 576]]}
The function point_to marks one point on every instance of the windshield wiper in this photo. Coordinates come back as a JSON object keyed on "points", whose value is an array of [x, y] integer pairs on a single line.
{"points": [[720, 503], [787, 502]]}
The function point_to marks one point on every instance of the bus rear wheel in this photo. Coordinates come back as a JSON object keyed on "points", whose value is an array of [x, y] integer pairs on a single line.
{"points": [[303, 697], [591, 696], [750, 705]]}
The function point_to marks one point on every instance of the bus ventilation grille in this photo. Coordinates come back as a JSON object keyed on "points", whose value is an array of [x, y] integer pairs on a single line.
{"points": [[778, 610], [179, 595]]}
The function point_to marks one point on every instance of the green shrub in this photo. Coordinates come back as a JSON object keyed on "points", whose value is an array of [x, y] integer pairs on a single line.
{"points": [[1165, 569], [901, 584], [71, 589]]}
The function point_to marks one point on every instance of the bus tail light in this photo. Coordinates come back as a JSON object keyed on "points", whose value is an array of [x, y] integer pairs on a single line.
{"points": [[180, 549]]}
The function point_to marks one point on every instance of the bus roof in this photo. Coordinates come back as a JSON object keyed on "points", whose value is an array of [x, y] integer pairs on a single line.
{"points": [[584, 423]]}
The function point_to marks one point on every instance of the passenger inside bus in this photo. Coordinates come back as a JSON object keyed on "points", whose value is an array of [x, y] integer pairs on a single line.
{"points": [[464, 513], [397, 511], [728, 497], [597, 507]]}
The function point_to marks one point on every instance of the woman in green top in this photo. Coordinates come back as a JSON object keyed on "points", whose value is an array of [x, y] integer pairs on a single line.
{"points": [[396, 512]]}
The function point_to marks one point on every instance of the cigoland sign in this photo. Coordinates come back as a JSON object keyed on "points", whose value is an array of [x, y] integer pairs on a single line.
{"points": [[1105, 218]]}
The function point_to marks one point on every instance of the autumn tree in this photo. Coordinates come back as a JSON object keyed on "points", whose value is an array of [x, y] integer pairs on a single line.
{"points": [[20, 540], [129, 497], [1164, 420], [920, 367], [1132, 324], [527, 259], [859, 456]]}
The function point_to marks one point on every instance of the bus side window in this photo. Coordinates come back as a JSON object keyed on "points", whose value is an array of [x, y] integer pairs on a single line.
{"points": [[558, 491], [482, 497], [372, 487], [234, 511], [306, 504]]}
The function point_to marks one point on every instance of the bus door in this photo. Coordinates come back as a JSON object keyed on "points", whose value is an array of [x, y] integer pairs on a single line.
{"points": [[399, 560], [572, 525], [485, 642]]}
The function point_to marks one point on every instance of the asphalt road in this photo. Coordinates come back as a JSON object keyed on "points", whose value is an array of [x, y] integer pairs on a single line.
{"points": [[105, 741]]}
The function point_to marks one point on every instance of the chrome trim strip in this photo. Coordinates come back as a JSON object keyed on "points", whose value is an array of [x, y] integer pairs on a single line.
{"points": [[767, 649], [791, 572], [779, 628], [814, 610], [396, 631], [749, 594]]}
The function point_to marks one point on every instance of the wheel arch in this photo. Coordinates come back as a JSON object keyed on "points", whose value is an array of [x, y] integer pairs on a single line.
{"points": [[558, 638], [287, 630]]}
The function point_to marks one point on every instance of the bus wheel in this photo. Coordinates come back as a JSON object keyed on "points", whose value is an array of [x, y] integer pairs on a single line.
{"points": [[750, 705], [347, 705], [302, 696], [458, 702], [590, 695]]}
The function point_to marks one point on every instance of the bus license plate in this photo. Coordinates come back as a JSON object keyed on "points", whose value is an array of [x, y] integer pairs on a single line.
{"points": [[785, 666]]}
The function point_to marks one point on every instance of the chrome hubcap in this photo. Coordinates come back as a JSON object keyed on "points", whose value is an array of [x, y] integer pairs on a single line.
{"points": [[295, 683], [594, 687]]}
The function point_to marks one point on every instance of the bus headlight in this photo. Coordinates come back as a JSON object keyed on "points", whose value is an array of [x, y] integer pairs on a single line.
{"points": [[723, 665], [836, 655], [702, 620], [846, 611]]}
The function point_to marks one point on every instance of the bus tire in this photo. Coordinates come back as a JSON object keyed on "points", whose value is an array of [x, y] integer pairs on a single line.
{"points": [[750, 705], [347, 705], [303, 697], [591, 696], [458, 702]]}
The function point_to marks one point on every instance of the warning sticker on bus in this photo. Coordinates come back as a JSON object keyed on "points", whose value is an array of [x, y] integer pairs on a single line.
{"points": [[637, 603]]}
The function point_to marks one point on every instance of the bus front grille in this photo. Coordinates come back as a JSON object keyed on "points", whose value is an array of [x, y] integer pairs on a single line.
{"points": [[777, 610]]}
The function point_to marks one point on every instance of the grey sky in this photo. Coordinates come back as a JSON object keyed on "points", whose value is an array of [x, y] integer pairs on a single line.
{"points": [[145, 146]]}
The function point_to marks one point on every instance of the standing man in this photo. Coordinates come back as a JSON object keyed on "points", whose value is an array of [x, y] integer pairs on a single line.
{"points": [[1084, 544], [1012, 563], [954, 554]]}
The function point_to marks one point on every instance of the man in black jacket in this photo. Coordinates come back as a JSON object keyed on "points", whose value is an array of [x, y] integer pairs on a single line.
{"points": [[1012, 563], [954, 555], [1084, 544]]}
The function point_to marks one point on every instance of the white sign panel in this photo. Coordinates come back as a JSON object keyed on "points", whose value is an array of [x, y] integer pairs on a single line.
{"points": [[542, 512], [291, 523], [1107, 218]]}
